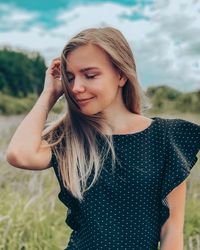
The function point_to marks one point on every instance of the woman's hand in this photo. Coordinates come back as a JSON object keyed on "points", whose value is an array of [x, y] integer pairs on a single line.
{"points": [[53, 78]]}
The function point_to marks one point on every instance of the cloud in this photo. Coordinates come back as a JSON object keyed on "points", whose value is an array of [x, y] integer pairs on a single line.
{"points": [[164, 36], [178, 62], [13, 18]]}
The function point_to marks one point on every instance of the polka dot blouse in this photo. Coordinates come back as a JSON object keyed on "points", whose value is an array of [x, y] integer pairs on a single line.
{"points": [[125, 210]]}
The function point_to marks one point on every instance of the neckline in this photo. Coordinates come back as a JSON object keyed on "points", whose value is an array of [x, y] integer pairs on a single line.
{"points": [[155, 120]]}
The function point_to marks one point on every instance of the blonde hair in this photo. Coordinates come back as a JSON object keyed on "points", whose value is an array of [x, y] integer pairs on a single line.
{"points": [[74, 137]]}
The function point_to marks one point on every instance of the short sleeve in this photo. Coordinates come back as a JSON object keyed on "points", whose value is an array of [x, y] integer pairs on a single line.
{"points": [[182, 143], [54, 164], [53, 159]]}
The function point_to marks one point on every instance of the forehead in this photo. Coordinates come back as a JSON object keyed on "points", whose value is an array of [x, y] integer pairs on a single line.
{"points": [[87, 56]]}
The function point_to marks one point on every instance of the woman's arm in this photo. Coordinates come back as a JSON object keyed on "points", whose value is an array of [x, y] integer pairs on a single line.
{"points": [[173, 240], [24, 150], [172, 237]]}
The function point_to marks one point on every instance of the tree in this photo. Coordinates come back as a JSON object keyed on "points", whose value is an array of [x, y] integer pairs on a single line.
{"points": [[21, 73]]}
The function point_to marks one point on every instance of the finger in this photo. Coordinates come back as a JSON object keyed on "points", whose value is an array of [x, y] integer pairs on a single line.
{"points": [[56, 64], [55, 61], [57, 58], [56, 68], [56, 72]]}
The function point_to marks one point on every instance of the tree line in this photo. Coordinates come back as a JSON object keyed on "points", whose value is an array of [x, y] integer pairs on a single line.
{"points": [[21, 73]]}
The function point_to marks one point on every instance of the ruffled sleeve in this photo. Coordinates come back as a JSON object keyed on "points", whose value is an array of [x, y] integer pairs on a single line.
{"points": [[182, 143], [72, 219]]}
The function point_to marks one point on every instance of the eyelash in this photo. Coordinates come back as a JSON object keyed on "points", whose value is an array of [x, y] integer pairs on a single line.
{"points": [[88, 77]]}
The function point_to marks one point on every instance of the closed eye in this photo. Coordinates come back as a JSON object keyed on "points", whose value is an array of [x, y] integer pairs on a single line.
{"points": [[87, 76], [91, 76]]}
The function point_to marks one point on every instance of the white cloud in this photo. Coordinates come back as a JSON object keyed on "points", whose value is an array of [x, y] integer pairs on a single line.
{"points": [[14, 18], [179, 21], [165, 44]]}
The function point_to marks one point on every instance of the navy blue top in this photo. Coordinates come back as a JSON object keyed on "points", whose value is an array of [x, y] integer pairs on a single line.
{"points": [[125, 210]]}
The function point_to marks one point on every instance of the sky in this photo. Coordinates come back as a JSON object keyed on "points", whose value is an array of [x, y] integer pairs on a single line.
{"points": [[164, 35]]}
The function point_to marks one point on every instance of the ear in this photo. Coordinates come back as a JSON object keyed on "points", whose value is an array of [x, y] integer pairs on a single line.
{"points": [[122, 80]]}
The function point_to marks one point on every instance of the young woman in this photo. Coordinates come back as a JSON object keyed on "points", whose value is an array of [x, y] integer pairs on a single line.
{"points": [[122, 175]]}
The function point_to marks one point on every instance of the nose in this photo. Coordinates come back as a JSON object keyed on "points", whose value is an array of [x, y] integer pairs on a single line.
{"points": [[78, 85]]}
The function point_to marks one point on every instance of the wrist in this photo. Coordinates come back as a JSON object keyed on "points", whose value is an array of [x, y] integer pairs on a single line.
{"points": [[49, 92], [50, 98]]}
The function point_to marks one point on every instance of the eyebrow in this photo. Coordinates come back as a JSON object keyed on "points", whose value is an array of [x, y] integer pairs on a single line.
{"points": [[85, 69]]}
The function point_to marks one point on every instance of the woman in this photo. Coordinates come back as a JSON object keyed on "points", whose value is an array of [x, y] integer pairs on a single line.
{"points": [[122, 175]]}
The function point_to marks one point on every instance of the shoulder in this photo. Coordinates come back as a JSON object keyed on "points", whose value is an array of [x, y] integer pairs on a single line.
{"points": [[182, 127], [182, 136], [177, 125]]}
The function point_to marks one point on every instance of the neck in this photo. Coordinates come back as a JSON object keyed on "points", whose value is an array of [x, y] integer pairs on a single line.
{"points": [[117, 116]]}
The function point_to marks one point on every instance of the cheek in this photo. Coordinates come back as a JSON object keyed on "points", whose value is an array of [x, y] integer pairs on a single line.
{"points": [[105, 89], [105, 98], [104, 86]]}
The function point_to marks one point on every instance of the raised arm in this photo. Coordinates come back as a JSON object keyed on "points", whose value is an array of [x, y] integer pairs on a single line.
{"points": [[24, 150]]}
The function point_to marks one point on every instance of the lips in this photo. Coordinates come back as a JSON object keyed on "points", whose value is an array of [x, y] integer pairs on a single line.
{"points": [[85, 101], [80, 100]]}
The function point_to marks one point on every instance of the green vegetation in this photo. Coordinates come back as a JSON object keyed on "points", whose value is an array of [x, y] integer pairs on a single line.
{"points": [[11, 105], [30, 215], [167, 99], [21, 73]]}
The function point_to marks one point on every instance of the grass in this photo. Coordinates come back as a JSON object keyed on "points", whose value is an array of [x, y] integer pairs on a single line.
{"points": [[31, 217]]}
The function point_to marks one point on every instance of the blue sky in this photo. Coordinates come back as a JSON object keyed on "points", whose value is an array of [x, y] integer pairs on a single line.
{"points": [[163, 34]]}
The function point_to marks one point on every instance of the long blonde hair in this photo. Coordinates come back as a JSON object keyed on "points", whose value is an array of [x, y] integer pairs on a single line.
{"points": [[74, 137]]}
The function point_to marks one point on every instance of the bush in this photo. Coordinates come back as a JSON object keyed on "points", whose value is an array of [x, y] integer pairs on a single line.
{"points": [[11, 105]]}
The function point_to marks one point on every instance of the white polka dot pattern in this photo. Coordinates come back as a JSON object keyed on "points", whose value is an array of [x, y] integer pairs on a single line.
{"points": [[125, 210], [182, 146]]}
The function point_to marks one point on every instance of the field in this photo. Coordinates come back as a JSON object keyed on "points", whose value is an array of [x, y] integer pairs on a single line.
{"points": [[32, 217]]}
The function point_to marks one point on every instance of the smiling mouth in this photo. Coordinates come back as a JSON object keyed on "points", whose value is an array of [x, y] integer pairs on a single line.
{"points": [[85, 101]]}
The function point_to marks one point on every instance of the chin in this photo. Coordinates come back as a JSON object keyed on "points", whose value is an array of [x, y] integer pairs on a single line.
{"points": [[89, 111]]}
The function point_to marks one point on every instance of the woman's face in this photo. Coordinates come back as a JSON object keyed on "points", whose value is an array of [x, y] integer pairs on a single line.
{"points": [[91, 75]]}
